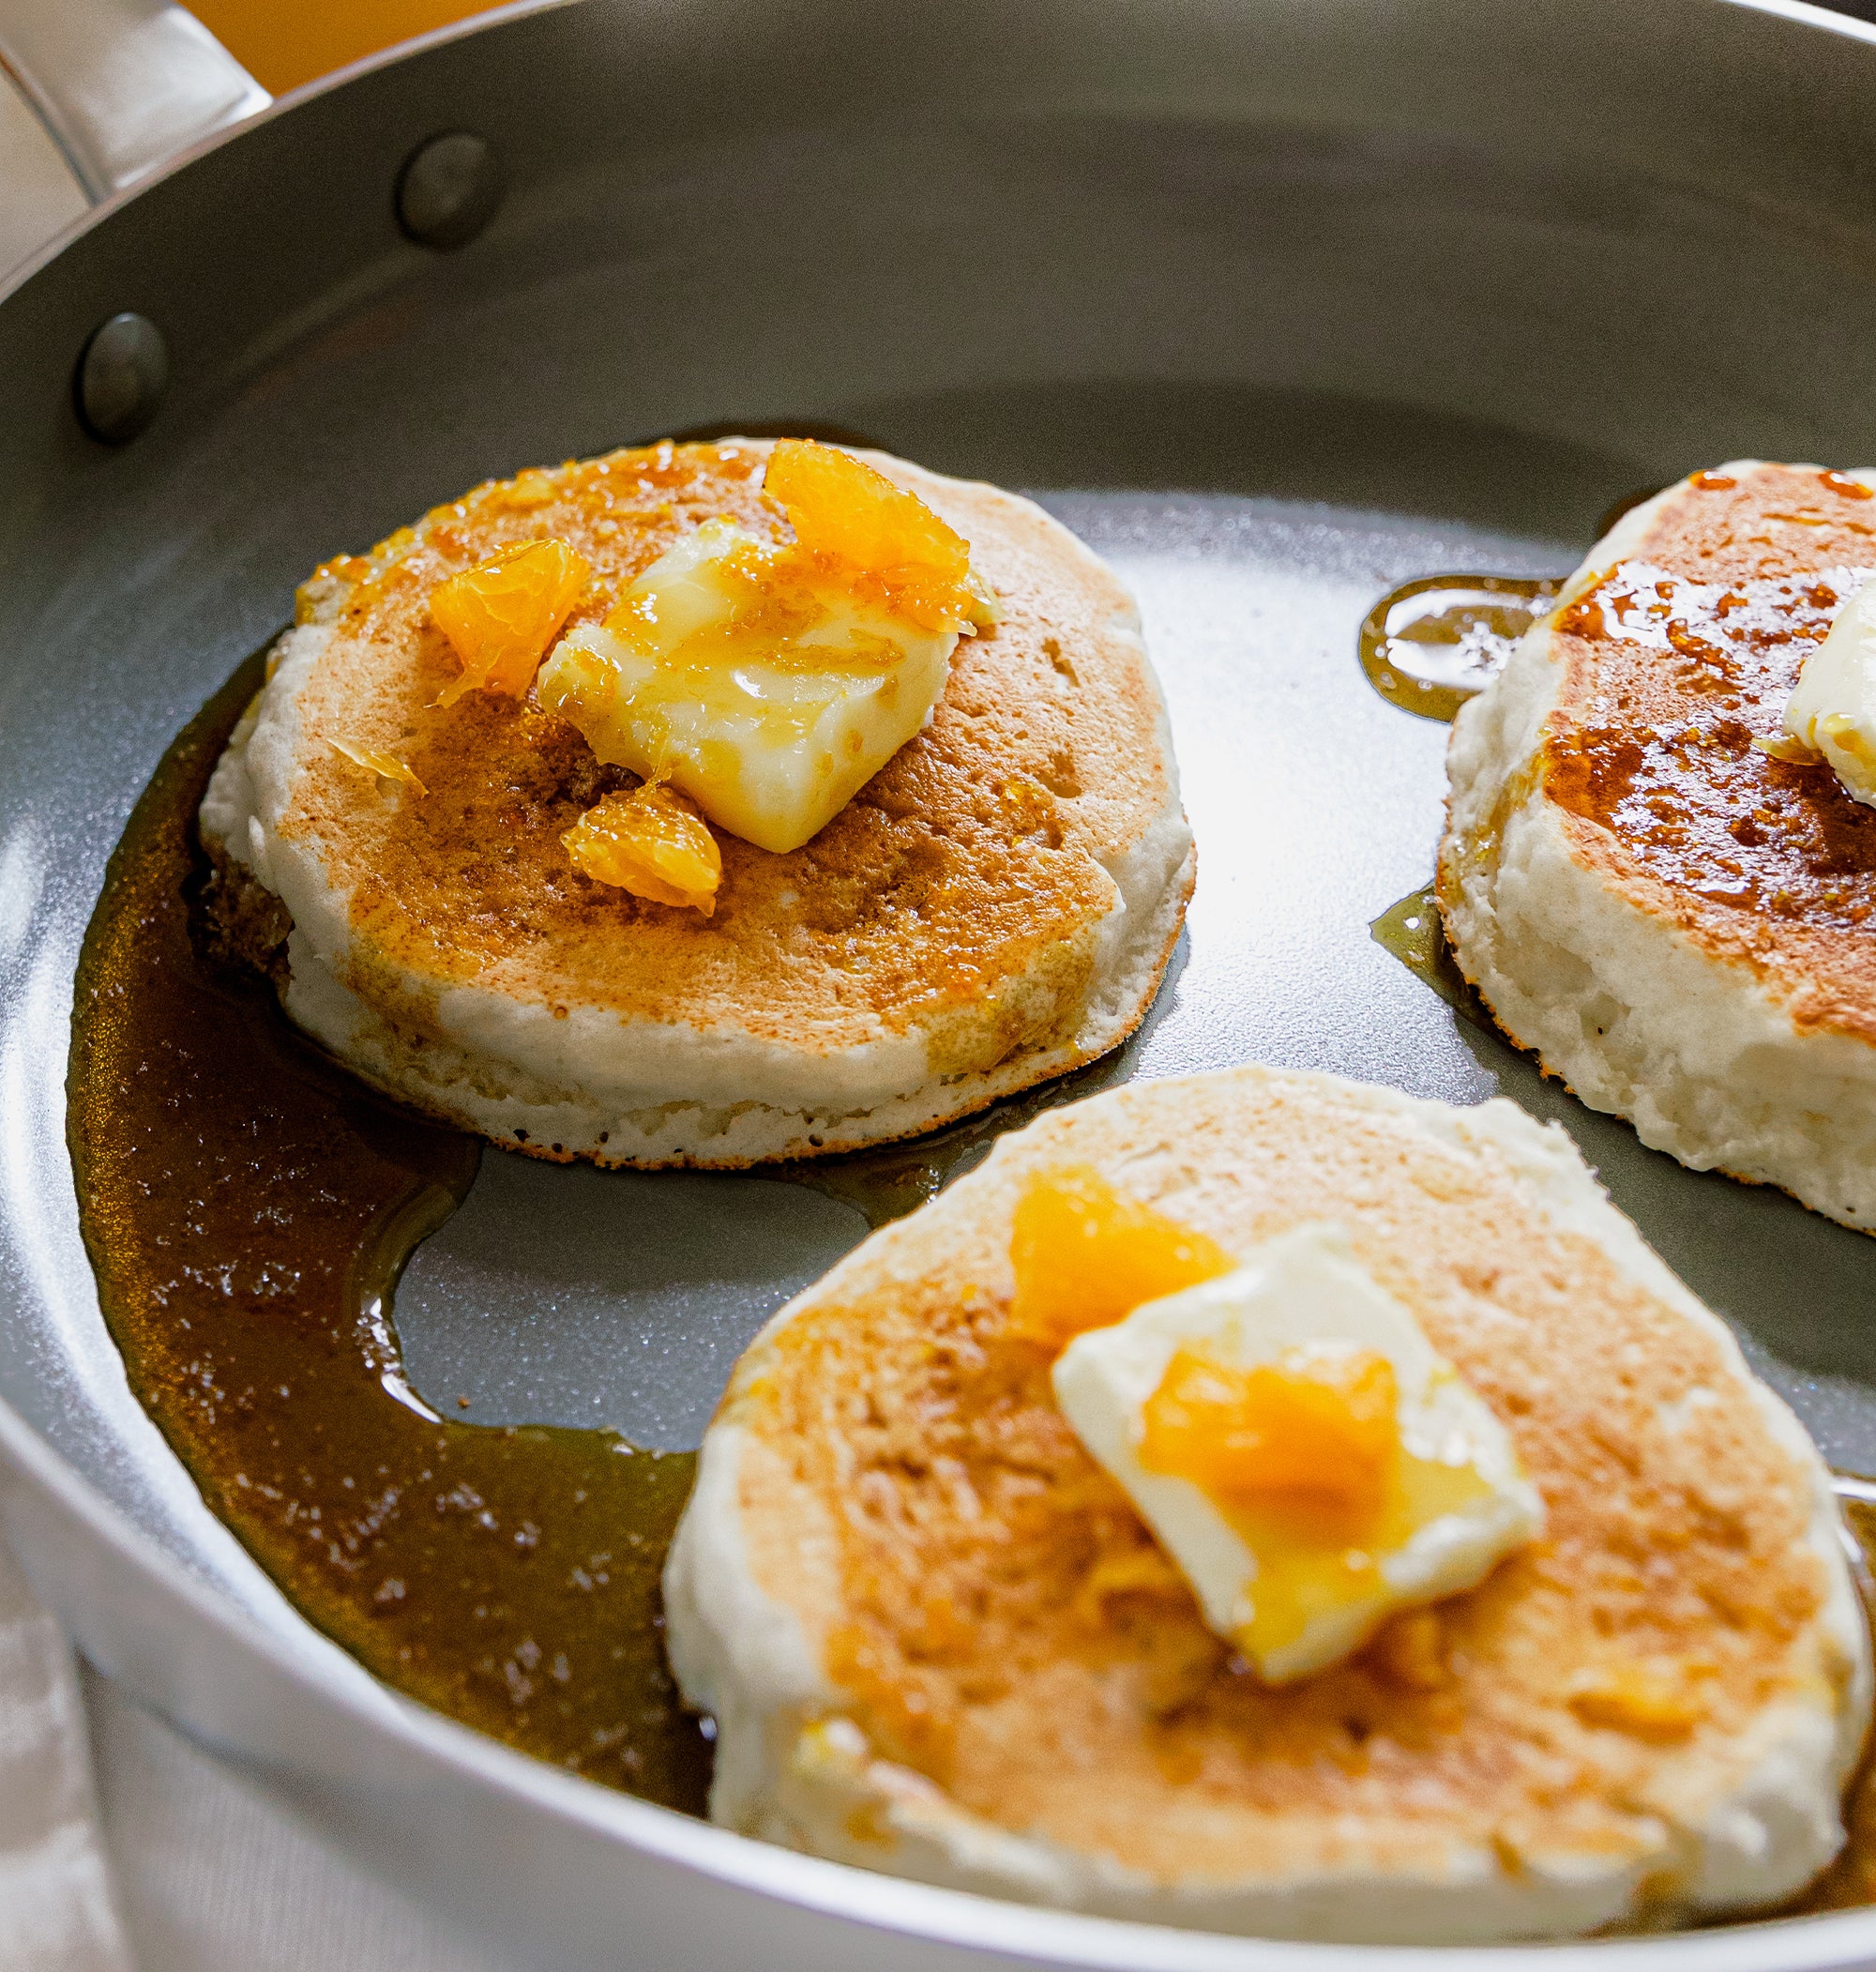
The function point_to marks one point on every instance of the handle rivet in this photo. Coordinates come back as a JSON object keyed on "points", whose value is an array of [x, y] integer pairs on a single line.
{"points": [[448, 189], [121, 378]]}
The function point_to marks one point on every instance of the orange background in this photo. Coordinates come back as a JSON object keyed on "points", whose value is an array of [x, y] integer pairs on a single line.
{"points": [[283, 44]]}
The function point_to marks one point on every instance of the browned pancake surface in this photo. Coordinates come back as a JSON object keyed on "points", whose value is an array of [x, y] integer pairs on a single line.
{"points": [[971, 855], [1674, 660], [999, 1619]]}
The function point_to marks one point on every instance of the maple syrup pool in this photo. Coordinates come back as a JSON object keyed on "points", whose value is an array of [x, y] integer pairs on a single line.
{"points": [[247, 1206]]}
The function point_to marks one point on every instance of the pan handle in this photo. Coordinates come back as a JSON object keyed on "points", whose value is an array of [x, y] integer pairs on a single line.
{"points": [[122, 86]]}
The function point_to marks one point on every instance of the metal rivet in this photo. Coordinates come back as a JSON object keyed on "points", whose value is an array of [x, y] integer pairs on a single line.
{"points": [[448, 189], [121, 378]]}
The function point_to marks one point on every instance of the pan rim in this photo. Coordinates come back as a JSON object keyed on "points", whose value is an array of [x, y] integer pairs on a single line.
{"points": [[1804, 13], [495, 16]]}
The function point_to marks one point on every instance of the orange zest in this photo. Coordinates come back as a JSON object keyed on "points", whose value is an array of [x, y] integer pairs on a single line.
{"points": [[651, 842], [1312, 1438], [1634, 1699], [1085, 1257], [501, 615], [859, 530], [374, 760]]}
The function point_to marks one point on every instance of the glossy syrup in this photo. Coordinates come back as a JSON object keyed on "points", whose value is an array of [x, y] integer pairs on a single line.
{"points": [[1431, 643], [1411, 930], [247, 1207], [886, 1183], [1851, 1880], [1437, 640]]}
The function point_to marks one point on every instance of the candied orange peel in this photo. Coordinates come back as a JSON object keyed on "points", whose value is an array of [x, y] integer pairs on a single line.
{"points": [[1310, 1438], [501, 615], [857, 529], [1085, 1257], [652, 842]]}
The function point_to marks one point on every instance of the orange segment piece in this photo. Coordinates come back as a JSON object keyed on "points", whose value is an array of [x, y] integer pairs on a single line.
{"points": [[865, 532], [501, 615], [1085, 1257], [1313, 1439], [651, 842]]}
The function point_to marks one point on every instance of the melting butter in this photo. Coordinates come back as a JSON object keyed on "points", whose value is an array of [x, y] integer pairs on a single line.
{"points": [[1350, 1473], [1832, 711], [769, 696]]}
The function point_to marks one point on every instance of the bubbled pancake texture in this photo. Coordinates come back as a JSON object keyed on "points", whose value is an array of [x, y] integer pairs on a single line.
{"points": [[959, 899], [995, 1614], [1679, 924]]}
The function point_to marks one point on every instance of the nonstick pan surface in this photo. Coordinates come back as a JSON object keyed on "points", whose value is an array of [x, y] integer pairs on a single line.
{"points": [[1277, 305]]}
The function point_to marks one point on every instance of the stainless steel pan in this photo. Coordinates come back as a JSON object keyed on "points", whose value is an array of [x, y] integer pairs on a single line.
{"points": [[1277, 301]]}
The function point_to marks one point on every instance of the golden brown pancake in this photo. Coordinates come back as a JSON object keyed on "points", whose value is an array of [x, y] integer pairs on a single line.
{"points": [[938, 1639], [996, 905], [1677, 923]]}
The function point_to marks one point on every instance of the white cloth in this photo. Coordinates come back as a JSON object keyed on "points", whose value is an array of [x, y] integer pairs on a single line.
{"points": [[168, 1863], [57, 1913], [213, 1877]]}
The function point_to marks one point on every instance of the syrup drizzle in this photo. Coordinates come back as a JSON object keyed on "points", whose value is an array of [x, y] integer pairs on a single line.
{"points": [[1431, 643], [1851, 1880], [1411, 930], [893, 1179], [1435, 642]]}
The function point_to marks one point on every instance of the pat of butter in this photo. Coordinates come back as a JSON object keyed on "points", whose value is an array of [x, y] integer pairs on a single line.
{"points": [[1292, 1590], [1832, 711], [771, 727]]}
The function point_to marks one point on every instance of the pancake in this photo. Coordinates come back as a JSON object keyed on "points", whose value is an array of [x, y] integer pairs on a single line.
{"points": [[995, 906], [938, 1640], [1676, 923]]}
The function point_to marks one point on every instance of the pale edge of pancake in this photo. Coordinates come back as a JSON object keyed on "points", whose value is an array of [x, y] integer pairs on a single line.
{"points": [[640, 1092], [790, 1768], [1700, 1054]]}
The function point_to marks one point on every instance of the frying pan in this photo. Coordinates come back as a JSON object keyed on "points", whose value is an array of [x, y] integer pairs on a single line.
{"points": [[1276, 303]]}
